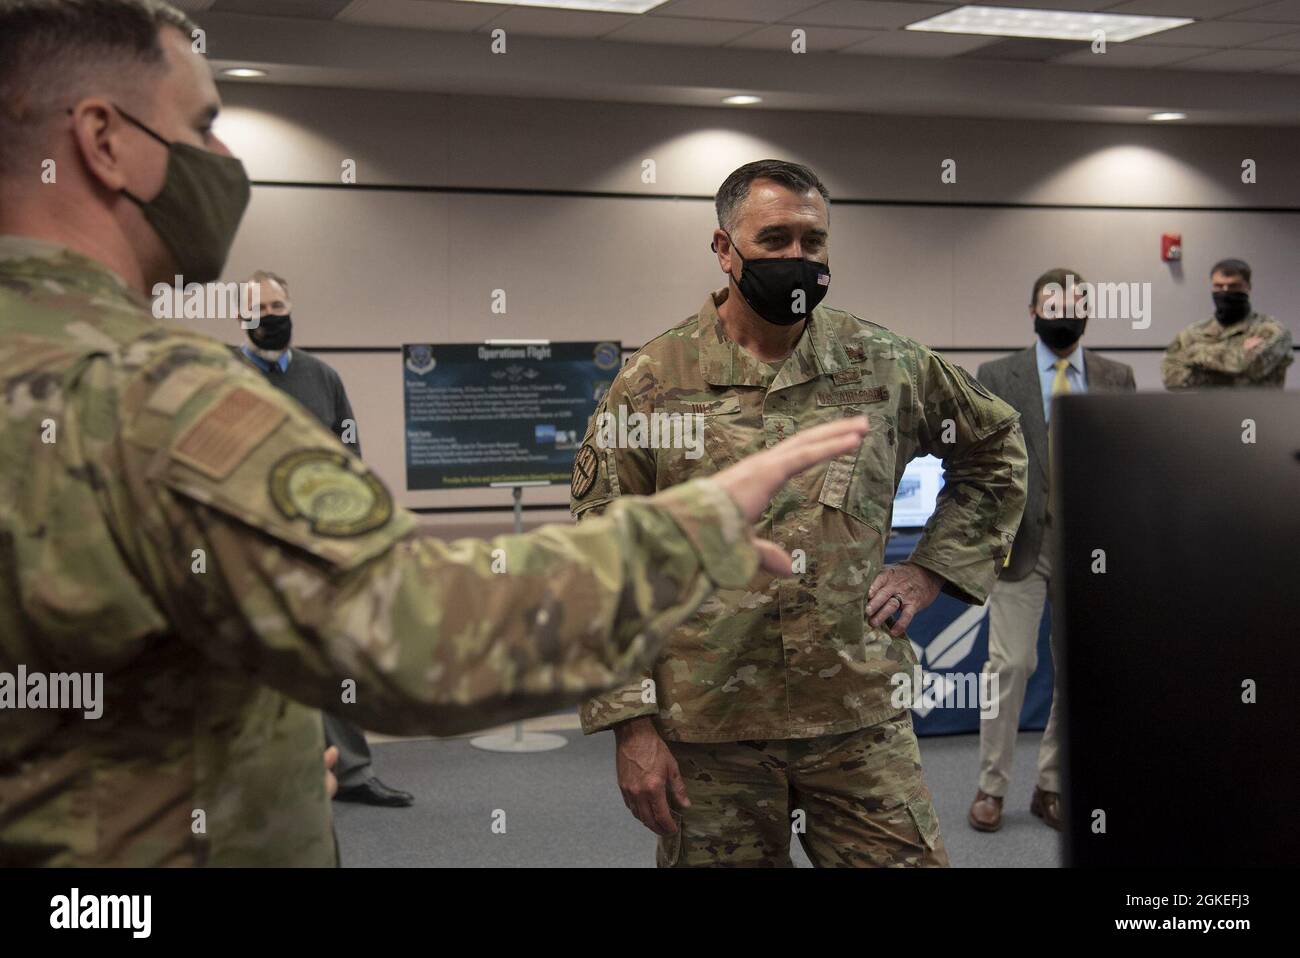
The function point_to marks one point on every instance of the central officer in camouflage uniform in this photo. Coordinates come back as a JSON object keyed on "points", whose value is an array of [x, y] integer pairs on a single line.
{"points": [[170, 520], [772, 710]]}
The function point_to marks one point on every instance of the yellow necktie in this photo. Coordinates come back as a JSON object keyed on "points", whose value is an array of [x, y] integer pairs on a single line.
{"points": [[1060, 386], [1059, 383]]}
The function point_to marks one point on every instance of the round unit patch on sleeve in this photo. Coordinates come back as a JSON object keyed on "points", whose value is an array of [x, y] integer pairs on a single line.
{"points": [[321, 486], [584, 471]]}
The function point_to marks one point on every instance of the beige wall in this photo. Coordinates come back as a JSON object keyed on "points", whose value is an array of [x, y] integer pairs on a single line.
{"points": [[379, 268]]}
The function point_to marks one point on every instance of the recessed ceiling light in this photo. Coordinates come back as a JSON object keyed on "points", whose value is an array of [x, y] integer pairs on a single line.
{"points": [[605, 6], [743, 99], [1045, 24], [242, 72], [1163, 117]]}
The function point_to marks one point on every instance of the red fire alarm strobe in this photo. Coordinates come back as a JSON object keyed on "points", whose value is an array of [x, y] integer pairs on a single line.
{"points": [[1171, 247]]}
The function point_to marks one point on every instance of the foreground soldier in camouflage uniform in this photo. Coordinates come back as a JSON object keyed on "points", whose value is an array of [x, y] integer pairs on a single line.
{"points": [[775, 700], [1236, 346], [170, 520]]}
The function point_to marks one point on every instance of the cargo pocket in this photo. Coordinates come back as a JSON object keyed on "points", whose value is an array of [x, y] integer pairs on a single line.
{"points": [[921, 810], [709, 427], [861, 484], [669, 852]]}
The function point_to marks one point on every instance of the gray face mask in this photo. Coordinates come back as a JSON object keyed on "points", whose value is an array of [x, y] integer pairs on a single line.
{"points": [[198, 211]]}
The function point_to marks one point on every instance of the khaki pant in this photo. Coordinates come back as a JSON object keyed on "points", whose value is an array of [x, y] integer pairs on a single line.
{"points": [[854, 800], [1015, 610]]}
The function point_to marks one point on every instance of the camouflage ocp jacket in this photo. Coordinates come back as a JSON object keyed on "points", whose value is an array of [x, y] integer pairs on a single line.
{"points": [[796, 658]]}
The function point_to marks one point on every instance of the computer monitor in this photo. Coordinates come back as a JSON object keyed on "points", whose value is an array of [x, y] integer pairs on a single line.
{"points": [[1175, 585], [917, 490]]}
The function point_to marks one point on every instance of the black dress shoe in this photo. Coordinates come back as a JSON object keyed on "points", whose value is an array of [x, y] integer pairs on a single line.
{"points": [[374, 792]]}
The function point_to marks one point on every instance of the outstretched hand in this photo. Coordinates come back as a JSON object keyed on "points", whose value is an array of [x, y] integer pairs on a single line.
{"points": [[754, 480]]}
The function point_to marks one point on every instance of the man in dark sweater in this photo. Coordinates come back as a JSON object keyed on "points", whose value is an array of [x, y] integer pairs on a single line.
{"points": [[318, 387]]}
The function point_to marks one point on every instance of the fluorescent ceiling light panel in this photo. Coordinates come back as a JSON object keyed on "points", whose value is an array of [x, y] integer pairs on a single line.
{"points": [[1046, 24], [604, 6]]}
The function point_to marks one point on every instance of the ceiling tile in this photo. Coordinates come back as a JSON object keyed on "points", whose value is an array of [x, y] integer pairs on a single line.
{"points": [[911, 43], [1284, 11], [705, 33], [868, 14], [820, 39], [1217, 33], [1196, 9], [1241, 61], [1026, 49], [755, 11], [1288, 41], [1085, 5], [1132, 56], [424, 14], [549, 22]]}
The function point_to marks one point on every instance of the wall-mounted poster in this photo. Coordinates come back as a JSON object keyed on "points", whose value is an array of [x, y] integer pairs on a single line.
{"points": [[482, 414]]}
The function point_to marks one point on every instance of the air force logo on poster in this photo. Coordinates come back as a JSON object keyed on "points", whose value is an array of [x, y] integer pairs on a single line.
{"points": [[607, 355], [419, 359]]}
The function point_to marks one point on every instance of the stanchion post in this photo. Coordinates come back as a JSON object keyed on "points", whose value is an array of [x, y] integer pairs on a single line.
{"points": [[517, 740]]}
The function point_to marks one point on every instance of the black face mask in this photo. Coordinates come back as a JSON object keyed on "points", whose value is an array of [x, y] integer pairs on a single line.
{"points": [[1231, 307], [772, 287], [272, 331], [1059, 333]]}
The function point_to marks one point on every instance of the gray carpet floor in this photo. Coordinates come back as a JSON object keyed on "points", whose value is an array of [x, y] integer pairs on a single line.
{"points": [[562, 809]]}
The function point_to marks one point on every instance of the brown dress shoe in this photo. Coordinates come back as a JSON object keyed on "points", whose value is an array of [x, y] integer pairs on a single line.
{"points": [[1047, 806], [985, 812]]}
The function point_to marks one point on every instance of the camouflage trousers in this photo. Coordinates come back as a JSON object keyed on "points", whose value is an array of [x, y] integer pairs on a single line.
{"points": [[854, 800]]}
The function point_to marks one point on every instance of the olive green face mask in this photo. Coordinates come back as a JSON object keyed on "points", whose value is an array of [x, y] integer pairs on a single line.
{"points": [[198, 211]]}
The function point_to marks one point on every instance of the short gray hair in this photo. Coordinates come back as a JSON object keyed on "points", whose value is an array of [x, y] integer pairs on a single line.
{"points": [[262, 275], [53, 52], [735, 188]]}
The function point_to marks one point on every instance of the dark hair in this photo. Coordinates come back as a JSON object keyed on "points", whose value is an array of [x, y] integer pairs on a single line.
{"points": [[1232, 267], [52, 51], [735, 188], [1059, 276]]}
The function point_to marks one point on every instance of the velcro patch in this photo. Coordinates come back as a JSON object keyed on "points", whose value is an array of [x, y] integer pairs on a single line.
{"points": [[585, 466], [331, 491], [849, 396], [177, 388], [846, 376], [222, 438]]}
